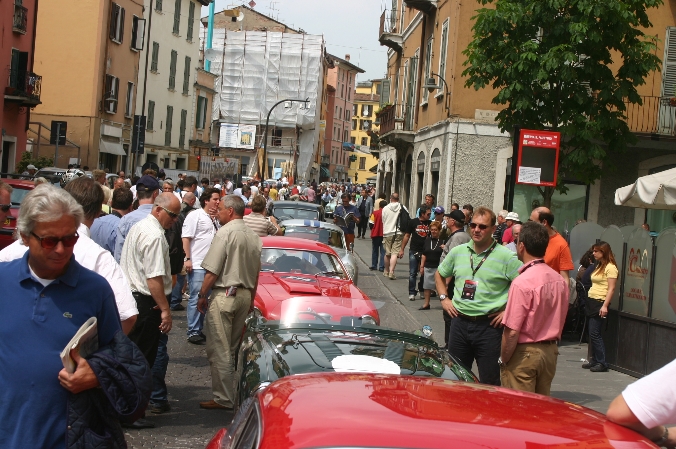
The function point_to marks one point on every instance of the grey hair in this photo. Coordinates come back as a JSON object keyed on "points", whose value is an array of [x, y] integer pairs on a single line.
{"points": [[503, 213], [235, 202], [40, 180], [164, 199], [46, 203]]}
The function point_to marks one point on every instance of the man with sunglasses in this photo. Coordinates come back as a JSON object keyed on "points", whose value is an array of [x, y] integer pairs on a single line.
{"points": [[483, 271], [147, 189], [5, 200]]}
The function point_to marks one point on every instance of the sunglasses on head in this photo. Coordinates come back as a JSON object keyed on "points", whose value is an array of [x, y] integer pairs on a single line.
{"points": [[51, 242], [171, 214], [5, 207], [483, 227]]}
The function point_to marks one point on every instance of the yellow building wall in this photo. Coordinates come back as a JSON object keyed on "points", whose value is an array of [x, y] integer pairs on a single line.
{"points": [[354, 172]]}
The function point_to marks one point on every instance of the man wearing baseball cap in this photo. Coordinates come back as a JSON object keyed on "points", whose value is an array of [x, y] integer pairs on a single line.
{"points": [[30, 170], [510, 219], [147, 189]]}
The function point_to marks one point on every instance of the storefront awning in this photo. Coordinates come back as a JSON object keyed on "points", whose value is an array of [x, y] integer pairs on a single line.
{"points": [[324, 172], [374, 169], [106, 146]]}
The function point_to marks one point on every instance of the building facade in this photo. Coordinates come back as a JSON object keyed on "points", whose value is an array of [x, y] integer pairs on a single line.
{"points": [[203, 100], [341, 80], [90, 61], [20, 85], [365, 131]]}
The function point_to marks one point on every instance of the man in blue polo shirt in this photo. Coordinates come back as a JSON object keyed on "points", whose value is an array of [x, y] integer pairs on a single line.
{"points": [[483, 271], [342, 211], [46, 297]]}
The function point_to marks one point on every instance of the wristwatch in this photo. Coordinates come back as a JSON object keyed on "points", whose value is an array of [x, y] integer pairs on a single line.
{"points": [[186, 259], [442, 297], [500, 362], [202, 295]]}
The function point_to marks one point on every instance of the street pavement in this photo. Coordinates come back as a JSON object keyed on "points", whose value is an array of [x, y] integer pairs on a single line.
{"points": [[189, 380]]}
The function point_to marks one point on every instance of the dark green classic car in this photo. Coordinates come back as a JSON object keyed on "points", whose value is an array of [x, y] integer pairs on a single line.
{"points": [[274, 349]]}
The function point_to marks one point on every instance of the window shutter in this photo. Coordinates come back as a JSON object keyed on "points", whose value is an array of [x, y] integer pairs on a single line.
{"points": [[669, 64], [114, 11], [177, 16], [385, 93], [191, 20], [138, 33], [181, 135], [186, 76], [121, 37], [151, 115], [156, 52], [172, 70], [158, 5], [167, 128]]}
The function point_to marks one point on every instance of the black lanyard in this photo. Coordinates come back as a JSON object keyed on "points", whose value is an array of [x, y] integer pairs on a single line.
{"points": [[471, 259], [531, 263]]}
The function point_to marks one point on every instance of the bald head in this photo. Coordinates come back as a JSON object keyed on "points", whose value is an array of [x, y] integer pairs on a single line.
{"points": [[189, 198], [543, 215]]}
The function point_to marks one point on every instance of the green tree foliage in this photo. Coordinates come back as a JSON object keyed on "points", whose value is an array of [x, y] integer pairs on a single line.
{"points": [[27, 159], [571, 65]]}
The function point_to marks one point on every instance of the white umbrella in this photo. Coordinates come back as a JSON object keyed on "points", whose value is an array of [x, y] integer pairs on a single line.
{"points": [[656, 191]]}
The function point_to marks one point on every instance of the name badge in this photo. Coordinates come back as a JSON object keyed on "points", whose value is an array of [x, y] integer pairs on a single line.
{"points": [[469, 290]]}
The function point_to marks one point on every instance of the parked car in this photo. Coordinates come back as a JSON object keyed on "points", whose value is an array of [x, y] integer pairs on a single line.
{"points": [[287, 210], [51, 174], [304, 340], [299, 268], [330, 207], [328, 233], [391, 411], [21, 188]]}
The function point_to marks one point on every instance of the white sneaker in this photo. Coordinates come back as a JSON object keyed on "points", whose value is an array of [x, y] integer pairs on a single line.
{"points": [[411, 297]]}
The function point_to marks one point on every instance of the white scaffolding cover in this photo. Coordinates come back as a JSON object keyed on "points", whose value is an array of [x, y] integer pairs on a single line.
{"points": [[258, 69]]}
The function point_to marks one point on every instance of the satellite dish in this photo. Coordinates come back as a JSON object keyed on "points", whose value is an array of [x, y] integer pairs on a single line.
{"points": [[240, 17]]}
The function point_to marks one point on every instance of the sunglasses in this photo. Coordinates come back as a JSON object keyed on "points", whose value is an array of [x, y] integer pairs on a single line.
{"points": [[483, 227], [5, 207], [171, 214], [51, 242]]}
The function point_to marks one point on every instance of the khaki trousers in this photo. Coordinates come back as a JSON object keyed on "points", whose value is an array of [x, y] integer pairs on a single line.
{"points": [[223, 326], [531, 368]]}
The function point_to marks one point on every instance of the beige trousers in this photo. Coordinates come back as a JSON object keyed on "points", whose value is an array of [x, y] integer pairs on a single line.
{"points": [[531, 368], [223, 326]]}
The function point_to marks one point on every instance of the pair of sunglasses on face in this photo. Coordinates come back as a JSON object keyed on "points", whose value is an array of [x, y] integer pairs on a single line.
{"points": [[51, 242], [5, 207], [483, 227]]}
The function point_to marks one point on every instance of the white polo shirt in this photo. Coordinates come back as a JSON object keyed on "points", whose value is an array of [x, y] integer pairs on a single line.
{"points": [[200, 229]]}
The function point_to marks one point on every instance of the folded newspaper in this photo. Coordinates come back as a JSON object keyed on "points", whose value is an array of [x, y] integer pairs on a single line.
{"points": [[85, 340], [345, 221]]}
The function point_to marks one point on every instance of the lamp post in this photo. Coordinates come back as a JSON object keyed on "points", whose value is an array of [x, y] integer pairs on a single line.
{"points": [[265, 136], [431, 86]]}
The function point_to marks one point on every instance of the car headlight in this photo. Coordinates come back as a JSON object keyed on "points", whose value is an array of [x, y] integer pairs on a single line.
{"points": [[369, 320]]}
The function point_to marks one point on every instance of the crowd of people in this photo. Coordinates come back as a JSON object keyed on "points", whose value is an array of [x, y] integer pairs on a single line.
{"points": [[131, 255]]}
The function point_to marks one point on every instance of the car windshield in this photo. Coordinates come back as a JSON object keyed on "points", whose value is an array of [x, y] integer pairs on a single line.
{"points": [[328, 236], [287, 213], [18, 196], [301, 262]]}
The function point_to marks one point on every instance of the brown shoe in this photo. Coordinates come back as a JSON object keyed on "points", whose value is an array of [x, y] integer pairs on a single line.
{"points": [[213, 405]]}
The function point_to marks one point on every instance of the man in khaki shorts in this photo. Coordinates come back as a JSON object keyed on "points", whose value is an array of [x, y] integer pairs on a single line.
{"points": [[392, 235], [232, 265]]}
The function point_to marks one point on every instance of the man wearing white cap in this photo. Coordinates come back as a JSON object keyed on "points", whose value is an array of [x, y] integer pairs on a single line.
{"points": [[30, 170], [510, 219]]}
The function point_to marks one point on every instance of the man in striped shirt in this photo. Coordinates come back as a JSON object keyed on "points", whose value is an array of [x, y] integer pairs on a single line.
{"points": [[258, 222], [483, 271]]}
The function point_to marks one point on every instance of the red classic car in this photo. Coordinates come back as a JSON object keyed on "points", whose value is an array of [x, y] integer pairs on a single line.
{"points": [[309, 277], [390, 411], [21, 188]]}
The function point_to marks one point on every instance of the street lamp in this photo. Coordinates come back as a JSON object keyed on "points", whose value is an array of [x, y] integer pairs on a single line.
{"points": [[287, 104], [431, 85]]}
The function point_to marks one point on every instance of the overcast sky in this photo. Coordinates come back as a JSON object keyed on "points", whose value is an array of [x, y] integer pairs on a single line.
{"points": [[349, 27]]}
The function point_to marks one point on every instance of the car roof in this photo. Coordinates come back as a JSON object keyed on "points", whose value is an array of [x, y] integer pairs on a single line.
{"points": [[296, 205], [311, 223], [296, 244], [20, 183], [380, 410]]}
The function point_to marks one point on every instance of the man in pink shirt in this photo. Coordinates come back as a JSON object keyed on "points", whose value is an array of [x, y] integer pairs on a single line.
{"points": [[534, 317]]}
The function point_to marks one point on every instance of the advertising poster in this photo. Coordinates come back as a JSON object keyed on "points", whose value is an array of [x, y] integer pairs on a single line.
{"points": [[228, 135], [637, 278], [538, 159], [246, 137], [219, 168]]}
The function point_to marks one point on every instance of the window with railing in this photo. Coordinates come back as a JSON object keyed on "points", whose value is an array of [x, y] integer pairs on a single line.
{"points": [[172, 70], [181, 133], [20, 22], [191, 20], [177, 17], [167, 126]]}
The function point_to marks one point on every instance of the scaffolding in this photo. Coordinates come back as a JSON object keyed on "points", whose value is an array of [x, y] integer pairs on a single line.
{"points": [[256, 70]]}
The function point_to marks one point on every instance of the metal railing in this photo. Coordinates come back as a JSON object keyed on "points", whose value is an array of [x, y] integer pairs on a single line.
{"points": [[657, 115], [24, 84], [20, 23], [396, 117], [388, 23], [326, 159]]}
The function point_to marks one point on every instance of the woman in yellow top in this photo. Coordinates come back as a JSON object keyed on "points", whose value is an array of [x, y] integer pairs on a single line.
{"points": [[604, 280]]}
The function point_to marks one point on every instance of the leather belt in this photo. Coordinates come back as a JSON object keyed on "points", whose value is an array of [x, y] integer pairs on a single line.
{"points": [[474, 318]]}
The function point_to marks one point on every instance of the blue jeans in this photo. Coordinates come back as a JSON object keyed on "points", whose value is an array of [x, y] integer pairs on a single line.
{"points": [[413, 272], [469, 340], [596, 341], [377, 248], [177, 291], [195, 318], [159, 371]]}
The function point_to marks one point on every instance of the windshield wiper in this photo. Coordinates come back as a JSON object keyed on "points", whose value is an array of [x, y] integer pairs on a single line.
{"points": [[329, 273]]}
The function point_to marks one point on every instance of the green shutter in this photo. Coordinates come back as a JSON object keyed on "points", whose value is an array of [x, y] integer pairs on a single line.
{"points": [[151, 115], [155, 57], [199, 119], [172, 70], [167, 128], [177, 16], [191, 20], [385, 93], [186, 76], [158, 5], [181, 135]]}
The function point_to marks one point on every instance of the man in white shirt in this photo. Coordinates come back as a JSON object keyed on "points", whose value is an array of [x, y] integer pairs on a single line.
{"points": [[229, 187], [87, 253], [198, 231], [254, 189]]}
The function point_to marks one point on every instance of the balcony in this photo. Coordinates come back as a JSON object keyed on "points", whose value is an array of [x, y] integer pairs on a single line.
{"points": [[23, 88], [396, 124], [655, 117], [279, 144], [389, 35], [426, 6], [20, 19], [326, 160]]}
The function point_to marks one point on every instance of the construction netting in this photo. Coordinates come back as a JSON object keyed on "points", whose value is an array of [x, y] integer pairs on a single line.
{"points": [[258, 69]]}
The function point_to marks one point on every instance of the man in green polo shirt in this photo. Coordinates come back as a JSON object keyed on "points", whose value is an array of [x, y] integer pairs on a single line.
{"points": [[482, 271]]}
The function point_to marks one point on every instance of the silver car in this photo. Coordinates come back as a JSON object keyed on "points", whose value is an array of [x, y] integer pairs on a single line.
{"points": [[327, 233]]}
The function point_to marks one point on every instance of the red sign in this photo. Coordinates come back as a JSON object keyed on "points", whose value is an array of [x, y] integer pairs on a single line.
{"points": [[538, 161]]}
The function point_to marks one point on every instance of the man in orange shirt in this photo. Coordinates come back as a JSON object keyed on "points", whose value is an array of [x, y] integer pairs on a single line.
{"points": [[558, 255]]}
